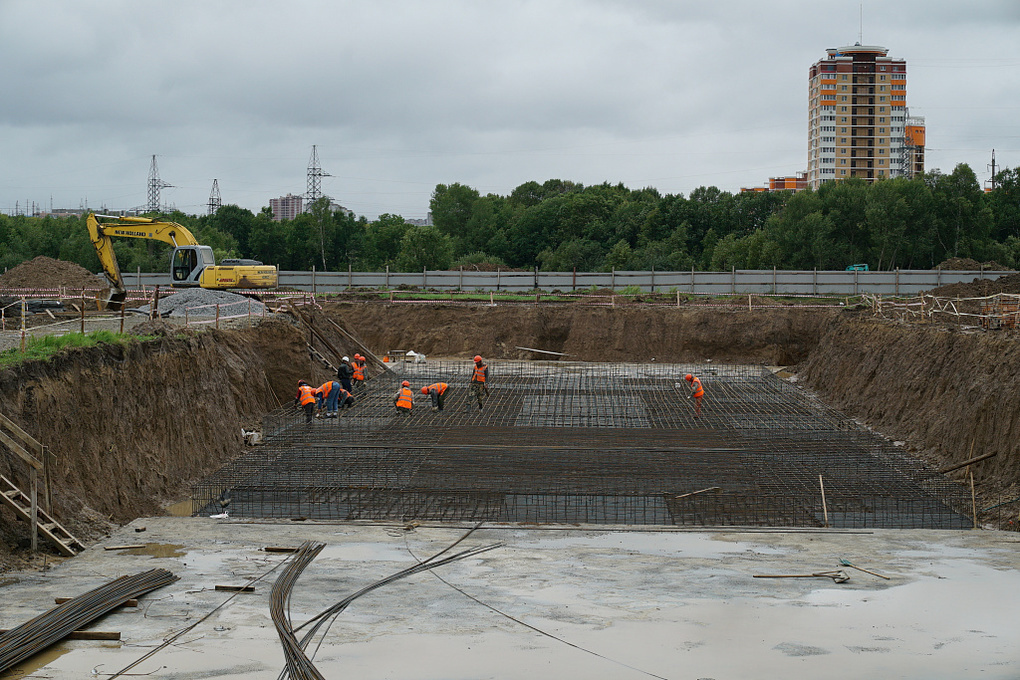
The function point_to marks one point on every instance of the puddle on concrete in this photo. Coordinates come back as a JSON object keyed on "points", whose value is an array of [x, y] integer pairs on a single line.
{"points": [[158, 550], [29, 666], [182, 509]]}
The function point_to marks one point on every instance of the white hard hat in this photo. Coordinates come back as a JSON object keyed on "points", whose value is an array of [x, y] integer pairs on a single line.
{"points": [[346, 359]]}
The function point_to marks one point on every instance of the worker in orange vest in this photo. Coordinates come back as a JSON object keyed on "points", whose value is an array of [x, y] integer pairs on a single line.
{"points": [[359, 372], [306, 399], [404, 398], [326, 396], [697, 392], [479, 381], [437, 393]]}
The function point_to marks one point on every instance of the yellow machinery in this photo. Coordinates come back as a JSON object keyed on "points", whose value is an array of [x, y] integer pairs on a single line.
{"points": [[191, 264]]}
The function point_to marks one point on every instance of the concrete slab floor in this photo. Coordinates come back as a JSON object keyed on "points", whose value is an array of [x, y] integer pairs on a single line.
{"points": [[551, 602]]}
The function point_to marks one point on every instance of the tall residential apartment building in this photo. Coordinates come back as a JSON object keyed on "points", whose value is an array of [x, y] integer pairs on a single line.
{"points": [[286, 207], [859, 125]]}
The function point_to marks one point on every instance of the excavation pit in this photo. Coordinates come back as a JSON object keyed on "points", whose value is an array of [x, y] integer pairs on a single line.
{"points": [[586, 443]]}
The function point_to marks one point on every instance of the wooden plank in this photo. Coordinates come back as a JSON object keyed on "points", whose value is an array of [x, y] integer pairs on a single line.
{"points": [[20, 433], [957, 466], [21, 452], [123, 547], [237, 589], [280, 549]]}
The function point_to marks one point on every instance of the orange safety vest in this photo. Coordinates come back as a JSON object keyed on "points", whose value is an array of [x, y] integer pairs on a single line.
{"points": [[359, 369], [440, 388], [324, 389], [699, 391], [479, 374], [406, 398], [343, 395], [306, 394]]}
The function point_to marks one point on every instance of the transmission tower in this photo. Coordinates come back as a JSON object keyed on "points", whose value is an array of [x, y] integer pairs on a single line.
{"points": [[214, 198], [155, 186], [315, 175], [993, 166]]}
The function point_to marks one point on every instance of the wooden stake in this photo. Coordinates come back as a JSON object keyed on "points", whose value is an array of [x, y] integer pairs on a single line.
{"points": [[825, 510], [973, 498]]}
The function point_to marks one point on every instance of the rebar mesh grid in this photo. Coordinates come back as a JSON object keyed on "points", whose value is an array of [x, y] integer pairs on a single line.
{"points": [[561, 442]]}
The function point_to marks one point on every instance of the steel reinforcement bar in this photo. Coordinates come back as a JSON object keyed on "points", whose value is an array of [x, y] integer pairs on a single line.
{"points": [[589, 443]]}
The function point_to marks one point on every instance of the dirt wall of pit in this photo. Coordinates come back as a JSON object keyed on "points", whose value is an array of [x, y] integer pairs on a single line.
{"points": [[952, 395], [777, 336], [131, 426]]}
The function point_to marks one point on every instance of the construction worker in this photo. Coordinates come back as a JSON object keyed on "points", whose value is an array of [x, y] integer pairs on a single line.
{"points": [[344, 400], [404, 398], [344, 374], [306, 399], [326, 395], [358, 365], [479, 379], [437, 393], [697, 392]]}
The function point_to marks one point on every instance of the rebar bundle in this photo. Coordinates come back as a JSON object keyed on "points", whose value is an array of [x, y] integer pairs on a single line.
{"points": [[298, 663], [587, 443], [34, 636]]}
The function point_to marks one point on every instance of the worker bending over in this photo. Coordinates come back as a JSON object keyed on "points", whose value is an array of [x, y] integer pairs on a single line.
{"points": [[344, 400], [404, 398], [437, 393], [479, 380], [325, 398], [305, 398], [697, 392]]}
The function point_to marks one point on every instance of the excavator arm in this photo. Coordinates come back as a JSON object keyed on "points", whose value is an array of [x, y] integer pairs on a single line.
{"points": [[132, 227]]}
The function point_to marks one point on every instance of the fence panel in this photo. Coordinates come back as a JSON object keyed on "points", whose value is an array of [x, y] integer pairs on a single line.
{"points": [[739, 282]]}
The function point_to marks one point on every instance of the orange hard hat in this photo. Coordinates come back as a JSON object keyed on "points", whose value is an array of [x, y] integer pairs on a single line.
{"points": [[688, 377], [424, 390], [478, 357], [405, 384], [301, 382], [357, 356]]}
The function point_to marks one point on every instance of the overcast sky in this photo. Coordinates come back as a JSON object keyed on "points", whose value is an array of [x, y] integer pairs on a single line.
{"points": [[399, 96]]}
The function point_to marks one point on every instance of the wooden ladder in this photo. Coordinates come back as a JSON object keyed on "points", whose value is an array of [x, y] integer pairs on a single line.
{"points": [[48, 527]]}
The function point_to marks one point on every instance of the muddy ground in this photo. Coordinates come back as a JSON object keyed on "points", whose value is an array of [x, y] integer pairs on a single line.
{"points": [[132, 428]]}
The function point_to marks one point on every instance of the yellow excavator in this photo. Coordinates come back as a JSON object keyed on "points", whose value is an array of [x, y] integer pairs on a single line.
{"points": [[191, 264]]}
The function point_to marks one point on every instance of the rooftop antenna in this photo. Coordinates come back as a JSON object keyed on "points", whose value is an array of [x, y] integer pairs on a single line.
{"points": [[315, 175], [860, 34], [155, 186], [214, 198], [992, 180]]}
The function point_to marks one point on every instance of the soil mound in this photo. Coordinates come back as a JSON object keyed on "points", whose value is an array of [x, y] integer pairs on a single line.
{"points": [[967, 264], [1009, 283], [45, 272]]}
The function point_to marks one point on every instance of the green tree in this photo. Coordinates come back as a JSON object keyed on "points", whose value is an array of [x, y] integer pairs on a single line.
{"points": [[425, 248]]}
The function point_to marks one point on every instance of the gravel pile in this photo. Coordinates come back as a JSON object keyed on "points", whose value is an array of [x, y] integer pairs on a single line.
{"points": [[201, 302]]}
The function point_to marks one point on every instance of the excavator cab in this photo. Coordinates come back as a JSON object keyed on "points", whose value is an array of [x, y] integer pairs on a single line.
{"points": [[187, 264]]}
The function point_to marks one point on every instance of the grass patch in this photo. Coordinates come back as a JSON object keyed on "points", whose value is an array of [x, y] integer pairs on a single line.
{"points": [[42, 348]]}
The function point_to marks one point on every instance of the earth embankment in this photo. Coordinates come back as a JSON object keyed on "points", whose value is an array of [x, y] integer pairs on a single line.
{"points": [[952, 395], [130, 426], [668, 334]]}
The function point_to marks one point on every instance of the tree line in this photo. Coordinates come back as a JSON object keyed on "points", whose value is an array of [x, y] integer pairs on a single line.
{"points": [[561, 225]]}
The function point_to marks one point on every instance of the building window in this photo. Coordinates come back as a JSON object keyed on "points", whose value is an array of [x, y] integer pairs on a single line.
{"points": [[842, 161], [881, 131], [843, 130], [842, 140], [842, 172]]}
